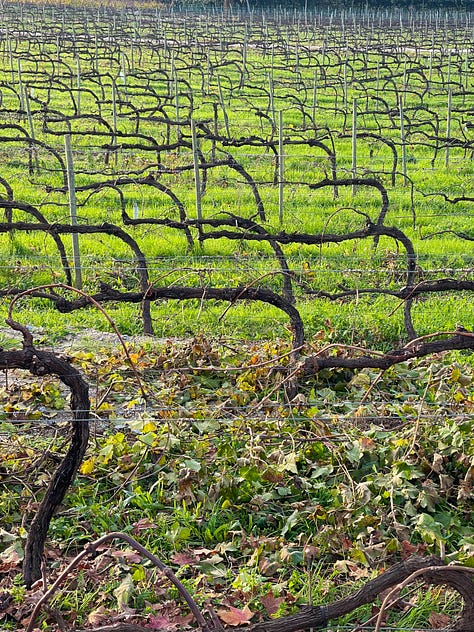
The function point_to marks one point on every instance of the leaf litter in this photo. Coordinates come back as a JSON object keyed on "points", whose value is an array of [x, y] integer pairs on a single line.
{"points": [[257, 508]]}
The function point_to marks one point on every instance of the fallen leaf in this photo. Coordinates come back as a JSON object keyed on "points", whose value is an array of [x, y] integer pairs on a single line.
{"points": [[124, 615], [289, 463], [184, 558], [143, 523], [203, 551], [268, 568], [98, 616], [438, 620], [129, 555], [438, 463], [183, 620], [6, 568], [346, 566], [367, 443], [160, 622], [408, 549], [5, 536], [12, 554], [271, 603], [311, 553], [124, 590], [235, 616]]}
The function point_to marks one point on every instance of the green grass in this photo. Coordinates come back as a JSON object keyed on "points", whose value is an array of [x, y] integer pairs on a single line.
{"points": [[218, 464]]}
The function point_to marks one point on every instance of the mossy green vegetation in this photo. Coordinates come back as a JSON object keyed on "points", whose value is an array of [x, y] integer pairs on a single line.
{"points": [[245, 494]]}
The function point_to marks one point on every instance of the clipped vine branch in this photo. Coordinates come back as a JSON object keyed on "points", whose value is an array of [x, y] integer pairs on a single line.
{"points": [[417, 348], [154, 293]]}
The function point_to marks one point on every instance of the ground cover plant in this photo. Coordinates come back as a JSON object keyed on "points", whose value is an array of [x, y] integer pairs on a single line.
{"points": [[283, 199], [256, 500]]}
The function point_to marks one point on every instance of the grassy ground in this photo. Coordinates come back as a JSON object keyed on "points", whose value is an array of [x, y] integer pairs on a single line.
{"points": [[255, 501], [208, 70]]}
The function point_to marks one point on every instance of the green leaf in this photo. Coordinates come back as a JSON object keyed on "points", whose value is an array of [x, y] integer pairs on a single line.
{"points": [[193, 465], [322, 470], [354, 453], [5, 536], [139, 574], [148, 438], [361, 380], [430, 530], [290, 522]]}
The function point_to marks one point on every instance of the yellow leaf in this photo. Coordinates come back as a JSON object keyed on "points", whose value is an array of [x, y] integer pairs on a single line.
{"points": [[289, 463], [87, 466], [139, 574], [133, 402], [149, 427]]}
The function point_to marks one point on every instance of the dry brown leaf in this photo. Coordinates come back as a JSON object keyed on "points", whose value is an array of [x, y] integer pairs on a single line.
{"points": [[160, 622], [272, 603], [235, 616], [98, 616], [140, 525], [184, 558], [129, 555], [438, 620]]}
